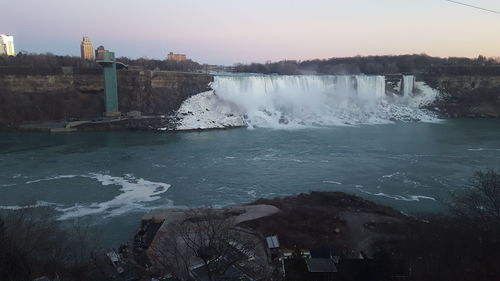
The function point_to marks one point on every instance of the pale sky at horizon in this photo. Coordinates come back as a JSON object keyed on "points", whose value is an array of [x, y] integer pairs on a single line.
{"points": [[231, 31]]}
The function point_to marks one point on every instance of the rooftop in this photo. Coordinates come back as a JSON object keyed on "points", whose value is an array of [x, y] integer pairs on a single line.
{"points": [[321, 265]]}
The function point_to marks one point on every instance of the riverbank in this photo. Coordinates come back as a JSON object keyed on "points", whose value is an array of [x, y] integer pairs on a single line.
{"points": [[348, 225], [351, 237], [122, 123], [344, 221]]}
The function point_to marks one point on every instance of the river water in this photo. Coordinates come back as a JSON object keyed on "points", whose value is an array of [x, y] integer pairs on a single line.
{"points": [[112, 178]]}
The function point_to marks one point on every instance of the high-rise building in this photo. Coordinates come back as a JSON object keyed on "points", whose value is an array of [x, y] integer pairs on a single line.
{"points": [[176, 57], [86, 49], [7, 45]]}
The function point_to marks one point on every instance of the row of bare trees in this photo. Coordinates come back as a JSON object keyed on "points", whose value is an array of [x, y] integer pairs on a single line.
{"points": [[373, 65], [482, 201], [463, 244], [33, 245], [208, 243], [48, 60], [163, 65]]}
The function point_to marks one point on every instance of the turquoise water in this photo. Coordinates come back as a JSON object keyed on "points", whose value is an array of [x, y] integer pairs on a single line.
{"points": [[112, 178]]}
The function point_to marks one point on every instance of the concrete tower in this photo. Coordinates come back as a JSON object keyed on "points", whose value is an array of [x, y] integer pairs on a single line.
{"points": [[107, 60], [86, 49], [7, 45]]}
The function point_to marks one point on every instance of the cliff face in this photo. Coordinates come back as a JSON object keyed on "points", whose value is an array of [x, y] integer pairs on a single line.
{"points": [[466, 95], [71, 95]]}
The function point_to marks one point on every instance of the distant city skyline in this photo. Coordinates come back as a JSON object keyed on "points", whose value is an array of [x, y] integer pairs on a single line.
{"points": [[229, 31]]}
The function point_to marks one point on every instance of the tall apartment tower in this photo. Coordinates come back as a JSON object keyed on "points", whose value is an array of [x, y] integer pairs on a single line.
{"points": [[86, 49], [7, 45]]}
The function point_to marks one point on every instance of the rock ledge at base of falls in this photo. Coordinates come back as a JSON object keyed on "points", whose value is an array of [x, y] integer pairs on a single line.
{"points": [[207, 111]]}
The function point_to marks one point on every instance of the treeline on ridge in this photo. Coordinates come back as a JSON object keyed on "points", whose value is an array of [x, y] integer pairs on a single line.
{"points": [[48, 60], [377, 65]]}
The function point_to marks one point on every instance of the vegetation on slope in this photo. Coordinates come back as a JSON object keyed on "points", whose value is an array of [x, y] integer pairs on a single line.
{"points": [[377, 65], [41, 61]]}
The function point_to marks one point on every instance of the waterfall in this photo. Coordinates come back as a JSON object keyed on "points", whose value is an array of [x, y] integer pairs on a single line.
{"points": [[371, 87], [408, 85], [279, 101]]}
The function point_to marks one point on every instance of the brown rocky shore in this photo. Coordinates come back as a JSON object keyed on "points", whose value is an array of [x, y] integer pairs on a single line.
{"points": [[348, 227], [312, 236], [347, 222]]}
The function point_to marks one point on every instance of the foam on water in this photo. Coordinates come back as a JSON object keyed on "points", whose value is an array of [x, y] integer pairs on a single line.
{"points": [[53, 178], [391, 175], [483, 149], [252, 193], [284, 102], [408, 198], [134, 192], [38, 204], [333, 182]]}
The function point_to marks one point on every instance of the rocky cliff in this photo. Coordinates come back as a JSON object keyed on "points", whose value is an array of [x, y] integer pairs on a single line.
{"points": [[44, 94], [71, 94], [465, 95]]}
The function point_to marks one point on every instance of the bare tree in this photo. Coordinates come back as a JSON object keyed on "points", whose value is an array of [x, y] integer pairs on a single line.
{"points": [[483, 200], [205, 239], [33, 245]]}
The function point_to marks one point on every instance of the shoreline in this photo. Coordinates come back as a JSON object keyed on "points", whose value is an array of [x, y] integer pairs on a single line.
{"points": [[286, 217], [160, 124], [347, 225], [149, 124]]}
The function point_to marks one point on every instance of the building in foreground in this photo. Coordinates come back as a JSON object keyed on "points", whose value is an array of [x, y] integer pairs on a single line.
{"points": [[176, 57], [86, 49], [7, 45]]}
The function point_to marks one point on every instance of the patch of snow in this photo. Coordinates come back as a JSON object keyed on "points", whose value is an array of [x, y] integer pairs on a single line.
{"points": [[208, 111]]}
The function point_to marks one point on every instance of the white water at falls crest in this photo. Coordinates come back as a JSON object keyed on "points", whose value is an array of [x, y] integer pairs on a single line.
{"points": [[304, 101]]}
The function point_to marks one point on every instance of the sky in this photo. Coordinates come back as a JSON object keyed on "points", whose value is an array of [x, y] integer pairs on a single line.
{"points": [[242, 31]]}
